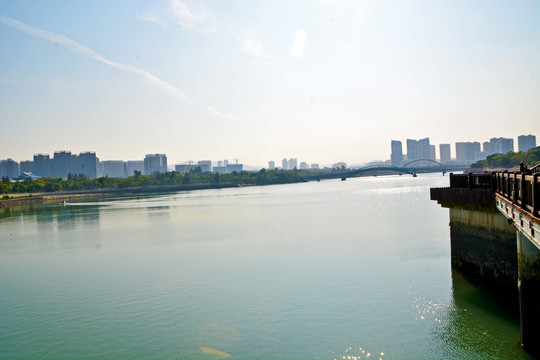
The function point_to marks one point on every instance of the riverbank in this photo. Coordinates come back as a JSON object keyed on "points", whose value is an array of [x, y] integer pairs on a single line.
{"points": [[159, 182], [65, 195]]}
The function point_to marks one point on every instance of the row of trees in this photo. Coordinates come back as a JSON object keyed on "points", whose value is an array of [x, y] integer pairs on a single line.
{"points": [[171, 178], [509, 160]]}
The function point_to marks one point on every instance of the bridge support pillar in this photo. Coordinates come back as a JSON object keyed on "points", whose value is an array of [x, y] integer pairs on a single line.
{"points": [[529, 293]]}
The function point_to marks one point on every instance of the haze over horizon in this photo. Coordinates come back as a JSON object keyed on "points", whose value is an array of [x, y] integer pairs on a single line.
{"points": [[314, 80]]}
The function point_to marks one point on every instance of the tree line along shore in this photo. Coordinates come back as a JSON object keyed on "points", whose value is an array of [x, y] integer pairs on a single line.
{"points": [[79, 185], [509, 160]]}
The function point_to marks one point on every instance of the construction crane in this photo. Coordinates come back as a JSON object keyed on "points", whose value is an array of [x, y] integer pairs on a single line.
{"points": [[236, 159]]}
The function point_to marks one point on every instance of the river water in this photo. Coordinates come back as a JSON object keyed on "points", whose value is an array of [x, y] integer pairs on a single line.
{"points": [[356, 269]]}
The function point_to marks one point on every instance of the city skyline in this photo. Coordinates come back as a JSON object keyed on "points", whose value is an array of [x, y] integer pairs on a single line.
{"points": [[324, 82], [88, 163], [463, 150]]}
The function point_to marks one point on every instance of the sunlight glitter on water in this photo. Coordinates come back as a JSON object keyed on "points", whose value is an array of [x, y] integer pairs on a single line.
{"points": [[362, 353], [296, 271]]}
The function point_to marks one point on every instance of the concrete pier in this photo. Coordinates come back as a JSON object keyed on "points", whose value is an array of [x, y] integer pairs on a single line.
{"points": [[522, 215], [483, 245], [482, 242], [495, 236], [529, 293]]}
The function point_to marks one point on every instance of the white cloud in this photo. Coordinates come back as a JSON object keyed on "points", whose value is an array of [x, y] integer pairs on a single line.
{"points": [[220, 114], [152, 18], [182, 13], [298, 44], [250, 45], [80, 49], [200, 19]]}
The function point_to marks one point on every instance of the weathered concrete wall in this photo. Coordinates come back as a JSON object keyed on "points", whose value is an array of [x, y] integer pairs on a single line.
{"points": [[494, 237], [483, 244], [529, 293]]}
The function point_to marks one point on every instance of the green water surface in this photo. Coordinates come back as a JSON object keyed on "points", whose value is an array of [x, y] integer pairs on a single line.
{"points": [[356, 269]]}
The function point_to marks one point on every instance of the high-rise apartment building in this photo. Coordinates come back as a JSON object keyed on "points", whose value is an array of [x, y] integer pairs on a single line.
{"points": [[418, 149], [526, 142], [444, 152], [498, 146], [504, 145], [155, 163], [284, 164], [61, 164], [293, 164], [185, 168], [218, 169], [26, 166], [433, 153], [205, 165], [133, 165], [112, 168], [76, 166], [396, 157], [271, 165], [488, 148], [466, 151], [234, 167], [9, 168], [42, 165], [88, 164]]}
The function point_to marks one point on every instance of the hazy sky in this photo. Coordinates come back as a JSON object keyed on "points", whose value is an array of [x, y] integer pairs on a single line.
{"points": [[322, 81]]}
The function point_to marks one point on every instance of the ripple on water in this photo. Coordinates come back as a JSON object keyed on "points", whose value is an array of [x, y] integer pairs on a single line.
{"points": [[358, 353]]}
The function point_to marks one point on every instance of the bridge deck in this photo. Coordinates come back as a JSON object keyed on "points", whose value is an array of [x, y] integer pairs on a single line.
{"points": [[380, 170]]}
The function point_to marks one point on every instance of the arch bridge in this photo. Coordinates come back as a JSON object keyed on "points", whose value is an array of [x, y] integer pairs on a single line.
{"points": [[382, 170], [418, 160]]}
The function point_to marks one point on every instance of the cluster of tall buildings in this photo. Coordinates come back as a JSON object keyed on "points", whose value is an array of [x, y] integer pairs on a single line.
{"points": [[292, 164], [86, 163], [64, 163], [222, 167], [465, 152], [416, 150]]}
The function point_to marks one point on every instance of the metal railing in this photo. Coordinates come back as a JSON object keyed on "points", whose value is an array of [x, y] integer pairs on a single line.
{"points": [[472, 181], [520, 188]]}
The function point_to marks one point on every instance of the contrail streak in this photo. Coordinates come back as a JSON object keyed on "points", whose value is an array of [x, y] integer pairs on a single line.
{"points": [[80, 49]]}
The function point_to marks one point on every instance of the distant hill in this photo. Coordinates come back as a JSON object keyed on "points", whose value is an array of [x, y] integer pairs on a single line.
{"points": [[509, 160]]}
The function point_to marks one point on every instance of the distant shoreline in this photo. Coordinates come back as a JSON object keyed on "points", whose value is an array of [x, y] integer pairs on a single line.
{"points": [[64, 195], [27, 198]]}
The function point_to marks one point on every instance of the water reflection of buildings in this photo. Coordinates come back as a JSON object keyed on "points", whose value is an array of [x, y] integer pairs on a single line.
{"points": [[158, 214], [84, 219], [76, 216], [49, 227], [58, 216]]}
